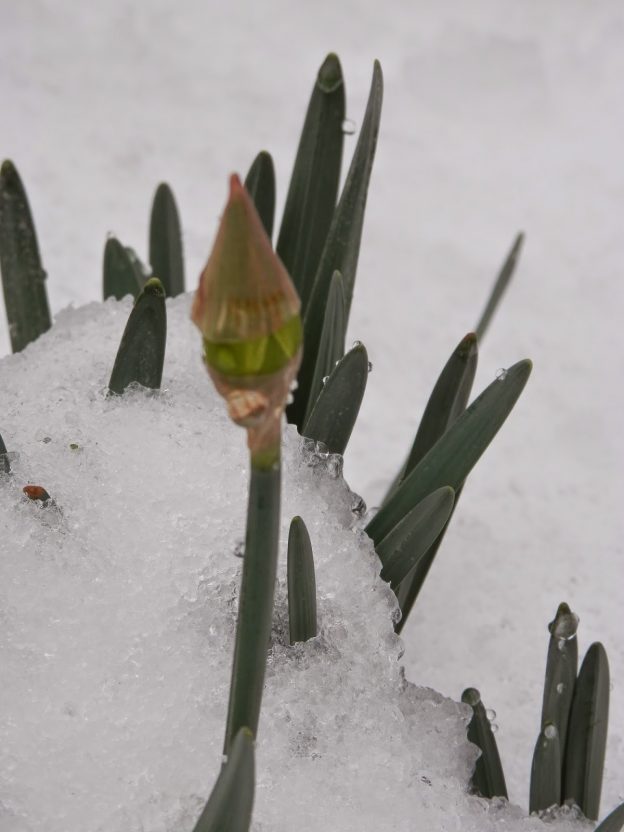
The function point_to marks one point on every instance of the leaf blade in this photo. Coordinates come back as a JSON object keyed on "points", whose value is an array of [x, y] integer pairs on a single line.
{"points": [[338, 404], [23, 276], [141, 353], [260, 182], [614, 822], [120, 275], [341, 250], [409, 540], [230, 804], [313, 188], [165, 242], [301, 583], [332, 343], [587, 733], [545, 788], [447, 402], [488, 779], [500, 286], [454, 455]]}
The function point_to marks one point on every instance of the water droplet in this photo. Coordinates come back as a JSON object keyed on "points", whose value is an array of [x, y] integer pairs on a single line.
{"points": [[294, 384], [501, 374], [471, 696], [565, 625], [325, 380], [560, 687], [337, 363], [561, 643], [46, 439], [493, 727], [290, 398], [550, 731], [370, 366], [348, 127], [490, 714], [356, 344]]}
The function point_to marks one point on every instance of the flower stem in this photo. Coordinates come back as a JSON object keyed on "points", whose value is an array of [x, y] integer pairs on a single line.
{"points": [[255, 611]]}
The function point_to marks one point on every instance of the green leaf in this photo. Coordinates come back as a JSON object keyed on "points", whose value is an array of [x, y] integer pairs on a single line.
{"points": [[255, 608], [561, 668], [5, 463], [410, 586], [23, 277], [447, 402], [165, 242], [545, 788], [231, 802], [587, 733], [260, 182], [121, 271], [301, 583], [500, 286], [338, 404], [314, 181], [488, 779], [409, 540], [454, 455], [332, 344], [613, 822], [341, 249], [141, 354]]}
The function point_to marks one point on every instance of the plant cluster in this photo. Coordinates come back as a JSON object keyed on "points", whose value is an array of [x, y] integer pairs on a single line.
{"points": [[260, 331]]}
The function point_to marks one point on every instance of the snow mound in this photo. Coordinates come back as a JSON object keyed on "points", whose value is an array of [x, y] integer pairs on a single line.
{"points": [[118, 607]]}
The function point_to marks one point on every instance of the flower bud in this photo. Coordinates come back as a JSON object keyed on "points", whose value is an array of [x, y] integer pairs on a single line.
{"points": [[248, 312]]}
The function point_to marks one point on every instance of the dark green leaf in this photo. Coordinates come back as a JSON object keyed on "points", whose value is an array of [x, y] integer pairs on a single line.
{"points": [[561, 668], [341, 249], [301, 583], [338, 404], [447, 402], [500, 285], [613, 822], [23, 277], [255, 609], [314, 182], [230, 804], [141, 354], [5, 463], [332, 343], [260, 182], [409, 540], [546, 771], [453, 456], [410, 586], [587, 733], [165, 242], [488, 779], [121, 271]]}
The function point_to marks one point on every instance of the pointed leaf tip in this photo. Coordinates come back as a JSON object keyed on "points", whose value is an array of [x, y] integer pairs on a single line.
{"points": [[330, 73]]}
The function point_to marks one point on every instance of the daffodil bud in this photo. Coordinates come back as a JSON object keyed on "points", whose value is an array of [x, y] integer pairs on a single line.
{"points": [[248, 312]]}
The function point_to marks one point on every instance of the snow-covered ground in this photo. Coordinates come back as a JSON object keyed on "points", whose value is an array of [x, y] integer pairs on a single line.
{"points": [[497, 117]]}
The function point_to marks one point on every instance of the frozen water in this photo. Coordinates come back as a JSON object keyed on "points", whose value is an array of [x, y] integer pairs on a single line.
{"points": [[118, 616]]}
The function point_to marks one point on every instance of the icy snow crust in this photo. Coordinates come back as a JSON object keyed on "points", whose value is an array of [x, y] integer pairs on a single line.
{"points": [[118, 610]]}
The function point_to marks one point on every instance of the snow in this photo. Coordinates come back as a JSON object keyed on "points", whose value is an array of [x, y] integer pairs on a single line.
{"points": [[497, 117], [119, 609]]}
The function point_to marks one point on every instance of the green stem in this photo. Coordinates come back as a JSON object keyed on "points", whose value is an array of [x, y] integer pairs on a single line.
{"points": [[255, 611]]}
